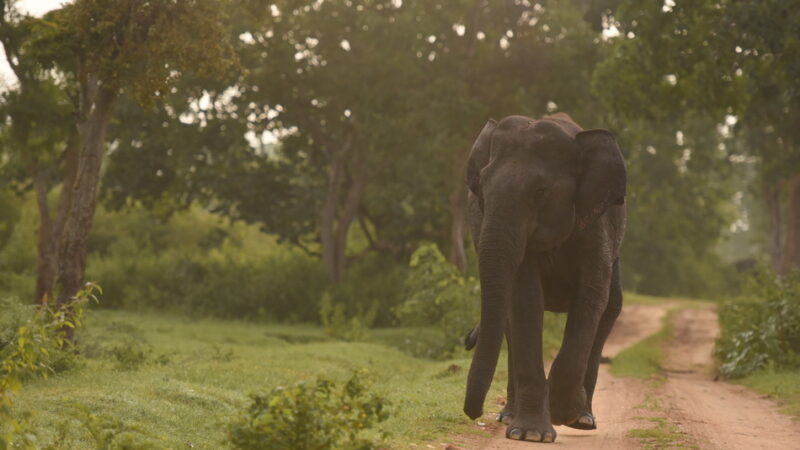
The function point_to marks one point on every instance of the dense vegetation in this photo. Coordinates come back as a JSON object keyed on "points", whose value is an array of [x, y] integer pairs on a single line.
{"points": [[761, 330]]}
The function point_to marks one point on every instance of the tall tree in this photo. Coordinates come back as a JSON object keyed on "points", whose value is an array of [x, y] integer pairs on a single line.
{"points": [[107, 47], [37, 135]]}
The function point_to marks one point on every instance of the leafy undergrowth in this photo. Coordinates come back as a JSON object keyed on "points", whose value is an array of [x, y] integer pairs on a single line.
{"points": [[781, 385], [177, 383], [761, 330]]}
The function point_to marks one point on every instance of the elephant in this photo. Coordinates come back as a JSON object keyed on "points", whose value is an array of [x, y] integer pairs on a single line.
{"points": [[546, 208]]}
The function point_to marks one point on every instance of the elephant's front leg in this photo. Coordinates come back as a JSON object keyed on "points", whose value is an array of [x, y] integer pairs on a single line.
{"points": [[568, 397], [530, 415]]}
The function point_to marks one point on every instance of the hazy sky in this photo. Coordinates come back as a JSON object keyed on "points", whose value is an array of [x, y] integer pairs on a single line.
{"points": [[39, 7]]}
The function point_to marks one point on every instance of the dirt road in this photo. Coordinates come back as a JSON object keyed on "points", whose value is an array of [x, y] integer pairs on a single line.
{"points": [[685, 408], [716, 415]]}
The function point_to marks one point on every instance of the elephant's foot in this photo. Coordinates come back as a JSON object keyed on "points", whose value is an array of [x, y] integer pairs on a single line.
{"points": [[567, 405], [531, 430], [585, 422]]}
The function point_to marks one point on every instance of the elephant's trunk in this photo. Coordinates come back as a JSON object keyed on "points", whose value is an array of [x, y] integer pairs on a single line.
{"points": [[501, 249]]}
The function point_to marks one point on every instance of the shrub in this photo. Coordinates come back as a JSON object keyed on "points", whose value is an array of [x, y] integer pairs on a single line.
{"points": [[130, 354], [339, 326], [373, 284], [439, 295], [201, 264], [762, 329], [318, 415], [33, 344]]}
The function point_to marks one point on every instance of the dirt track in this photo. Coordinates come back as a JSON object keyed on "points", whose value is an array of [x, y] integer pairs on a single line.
{"points": [[697, 411]]}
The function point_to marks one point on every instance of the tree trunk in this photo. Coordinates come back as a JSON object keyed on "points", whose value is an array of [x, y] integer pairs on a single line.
{"points": [[46, 263], [335, 217], [327, 233], [773, 194], [335, 221], [96, 108], [791, 248], [51, 233], [349, 210]]}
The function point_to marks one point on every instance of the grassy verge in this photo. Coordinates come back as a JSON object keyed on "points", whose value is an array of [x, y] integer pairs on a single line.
{"points": [[643, 360], [179, 382], [663, 434], [176, 382], [782, 386]]}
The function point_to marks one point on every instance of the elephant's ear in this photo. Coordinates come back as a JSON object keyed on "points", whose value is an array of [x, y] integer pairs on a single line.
{"points": [[603, 181], [479, 156]]}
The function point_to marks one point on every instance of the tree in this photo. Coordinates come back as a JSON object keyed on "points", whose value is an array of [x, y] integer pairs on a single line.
{"points": [[319, 78], [37, 136], [721, 58], [104, 48]]}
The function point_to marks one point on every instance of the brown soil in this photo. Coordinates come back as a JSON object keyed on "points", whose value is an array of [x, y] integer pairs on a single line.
{"points": [[703, 412]]}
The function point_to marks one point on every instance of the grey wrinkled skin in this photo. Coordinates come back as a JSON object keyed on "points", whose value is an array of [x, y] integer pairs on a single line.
{"points": [[547, 215]]}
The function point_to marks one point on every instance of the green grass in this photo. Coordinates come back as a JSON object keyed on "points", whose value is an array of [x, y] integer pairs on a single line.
{"points": [[644, 359], [197, 376], [682, 302], [782, 386], [663, 434]]}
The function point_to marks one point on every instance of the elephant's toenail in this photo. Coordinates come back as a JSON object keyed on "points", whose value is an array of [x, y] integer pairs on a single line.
{"points": [[534, 436], [515, 433], [549, 437], [506, 419], [586, 420]]}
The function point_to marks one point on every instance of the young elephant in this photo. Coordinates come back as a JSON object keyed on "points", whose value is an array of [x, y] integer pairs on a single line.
{"points": [[547, 214]]}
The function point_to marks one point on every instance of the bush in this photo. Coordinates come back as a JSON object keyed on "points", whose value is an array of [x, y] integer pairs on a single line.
{"points": [[339, 326], [439, 295], [18, 253], [318, 415], [372, 285], [33, 344], [762, 329], [200, 264]]}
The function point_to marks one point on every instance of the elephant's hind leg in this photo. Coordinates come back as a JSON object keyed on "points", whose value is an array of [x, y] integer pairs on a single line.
{"points": [[587, 420]]}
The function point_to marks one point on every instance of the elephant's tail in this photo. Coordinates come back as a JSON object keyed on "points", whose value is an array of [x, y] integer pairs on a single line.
{"points": [[472, 338]]}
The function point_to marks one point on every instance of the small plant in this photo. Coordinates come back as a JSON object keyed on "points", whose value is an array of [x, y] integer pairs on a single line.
{"points": [[439, 295], [131, 354], [220, 354], [311, 416], [35, 345], [338, 325]]}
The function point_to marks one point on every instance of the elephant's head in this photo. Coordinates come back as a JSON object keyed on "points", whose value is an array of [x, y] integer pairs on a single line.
{"points": [[537, 182]]}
